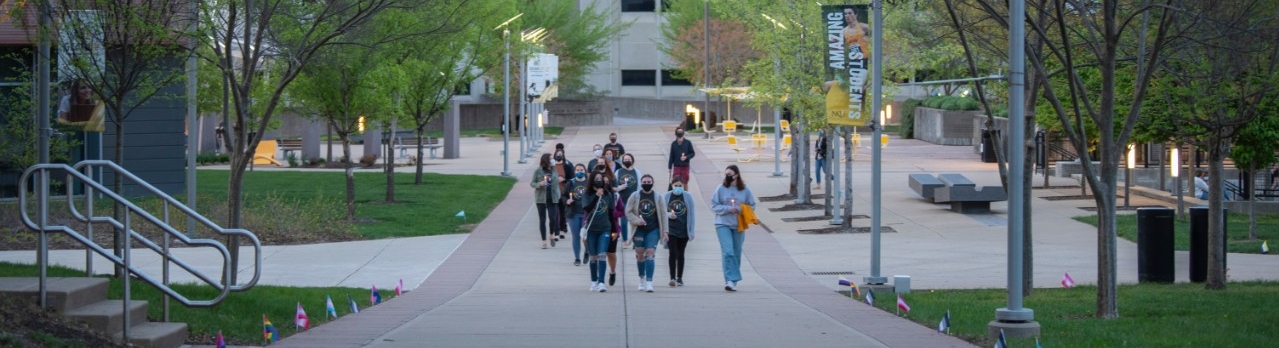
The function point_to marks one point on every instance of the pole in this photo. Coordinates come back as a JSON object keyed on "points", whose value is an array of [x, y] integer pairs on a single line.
{"points": [[777, 125], [193, 147], [877, 86], [1014, 313], [506, 106], [525, 146], [706, 69], [837, 192], [42, 120]]}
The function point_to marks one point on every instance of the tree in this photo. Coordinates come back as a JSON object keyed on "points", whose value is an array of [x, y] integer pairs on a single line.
{"points": [[251, 36], [688, 51], [1254, 147], [1223, 74]]}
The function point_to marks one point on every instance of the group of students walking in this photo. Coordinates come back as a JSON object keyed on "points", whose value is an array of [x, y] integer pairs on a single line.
{"points": [[594, 205]]}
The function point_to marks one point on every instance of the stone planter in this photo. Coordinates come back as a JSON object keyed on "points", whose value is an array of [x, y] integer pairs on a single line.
{"points": [[943, 127]]}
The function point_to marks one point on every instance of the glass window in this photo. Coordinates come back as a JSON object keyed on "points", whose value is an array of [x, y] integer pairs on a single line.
{"points": [[639, 77], [669, 80], [639, 5]]}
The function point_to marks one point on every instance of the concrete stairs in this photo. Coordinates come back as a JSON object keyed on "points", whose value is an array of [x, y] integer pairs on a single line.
{"points": [[85, 300]]}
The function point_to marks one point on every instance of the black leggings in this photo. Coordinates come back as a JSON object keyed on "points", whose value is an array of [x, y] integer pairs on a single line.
{"points": [[676, 259], [547, 215], [563, 220]]}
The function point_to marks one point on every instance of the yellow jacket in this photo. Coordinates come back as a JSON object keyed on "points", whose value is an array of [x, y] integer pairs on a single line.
{"points": [[746, 218]]}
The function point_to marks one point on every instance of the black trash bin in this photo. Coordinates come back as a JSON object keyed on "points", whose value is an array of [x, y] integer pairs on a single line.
{"points": [[988, 146], [689, 123], [1155, 238], [1199, 243]]}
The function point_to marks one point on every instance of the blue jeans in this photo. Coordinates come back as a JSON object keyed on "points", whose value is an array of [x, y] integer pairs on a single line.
{"points": [[821, 162], [730, 246], [575, 228], [625, 226], [647, 239], [597, 247]]}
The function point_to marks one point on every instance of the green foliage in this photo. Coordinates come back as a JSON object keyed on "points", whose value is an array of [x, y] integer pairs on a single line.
{"points": [[211, 158], [580, 37], [1236, 231], [1156, 315], [18, 136], [908, 118], [951, 103]]}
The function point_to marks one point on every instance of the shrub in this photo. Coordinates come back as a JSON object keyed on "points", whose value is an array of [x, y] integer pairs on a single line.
{"points": [[952, 103], [907, 130], [368, 160]]}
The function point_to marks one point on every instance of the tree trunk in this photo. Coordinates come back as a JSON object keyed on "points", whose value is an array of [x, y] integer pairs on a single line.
{"points": [[350, 179], [847, 187], [1216, 232], [117, 185], [417, 176], [388, 166], [1107, 284], [1028, 167], [1252, 199], [805, 170]]}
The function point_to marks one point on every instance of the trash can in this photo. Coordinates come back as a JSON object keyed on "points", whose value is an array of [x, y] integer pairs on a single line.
{"points": [[988, 146], [688, 121], [1155, 238], [1199, 243]]}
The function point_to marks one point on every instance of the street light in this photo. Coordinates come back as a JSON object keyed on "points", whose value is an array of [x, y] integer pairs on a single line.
{"points": [[506, 100], [1132, 154]]}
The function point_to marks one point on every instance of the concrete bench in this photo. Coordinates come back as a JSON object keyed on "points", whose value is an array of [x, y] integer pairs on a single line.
{"points": [[964, 196], [924, 184], [430, 143]]}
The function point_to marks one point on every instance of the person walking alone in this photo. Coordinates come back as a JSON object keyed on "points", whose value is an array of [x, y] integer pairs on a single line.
{"points": [[601, 221], [727, 203], [644, 210], [679, 230], [820, 154], [546, 193], [681, 152]]}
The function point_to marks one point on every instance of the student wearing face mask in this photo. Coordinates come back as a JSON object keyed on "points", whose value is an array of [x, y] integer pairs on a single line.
{"points": [[546, 193], [726, 203], [627, 183], [575, 203], [564, 168], [681, 152], [601, 216], [617, 148], [679, 228], [644, 211], [820, 156], [602, 161]]}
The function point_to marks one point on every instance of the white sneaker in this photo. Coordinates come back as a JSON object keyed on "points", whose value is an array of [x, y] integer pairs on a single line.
{"points": [[595, 286], [641, 285], [730, 286], [648, 286]]}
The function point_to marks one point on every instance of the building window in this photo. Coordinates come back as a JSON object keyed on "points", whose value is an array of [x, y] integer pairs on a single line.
{"points": [[639, 5], [639, 77], [669, 80]]}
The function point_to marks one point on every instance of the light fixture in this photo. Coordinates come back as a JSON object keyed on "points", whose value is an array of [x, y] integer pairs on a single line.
{"points": [[1132, 156], [1176, 162]]}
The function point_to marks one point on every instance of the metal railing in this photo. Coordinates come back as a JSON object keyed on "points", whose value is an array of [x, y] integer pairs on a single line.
{"points": [[1065, 153], [92, 189]]}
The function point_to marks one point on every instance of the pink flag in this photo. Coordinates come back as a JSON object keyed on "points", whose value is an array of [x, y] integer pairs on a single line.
{"points": [[901, 304], [1067, 281], [375, 297], [301, 320], [221, 341], [399, 288]]}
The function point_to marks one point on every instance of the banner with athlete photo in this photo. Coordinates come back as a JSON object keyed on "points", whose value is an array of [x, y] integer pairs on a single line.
{"points": [[848, 39]]}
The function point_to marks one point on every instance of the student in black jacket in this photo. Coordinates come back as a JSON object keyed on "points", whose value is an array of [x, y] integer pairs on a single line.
{"points": [[681, 153]]}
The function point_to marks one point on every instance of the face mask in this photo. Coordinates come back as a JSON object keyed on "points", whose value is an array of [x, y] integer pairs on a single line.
{"points": [[599, 183], [612, 140], [728, 179], [647, 187], [599, 168], [627, 163], [580, 175], [678, 190], [559, 158], [608, 157], [821, 134], [599, 153], [679, 134]]}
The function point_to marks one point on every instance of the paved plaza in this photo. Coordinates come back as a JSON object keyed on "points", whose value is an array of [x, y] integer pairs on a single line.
{"points": [[496, 287]]}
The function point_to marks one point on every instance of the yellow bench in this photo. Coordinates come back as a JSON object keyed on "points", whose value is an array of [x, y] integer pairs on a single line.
{"points": [[265, 153]]}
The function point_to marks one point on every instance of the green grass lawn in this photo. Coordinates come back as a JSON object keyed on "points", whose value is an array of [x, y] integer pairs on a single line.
{"points": [[420, 210], [1236, 230], [239, 316], [1150, 315], [478, 132]]}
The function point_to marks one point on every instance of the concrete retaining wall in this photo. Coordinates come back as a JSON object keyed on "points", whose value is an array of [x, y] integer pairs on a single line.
{"points": [[945, 127]]}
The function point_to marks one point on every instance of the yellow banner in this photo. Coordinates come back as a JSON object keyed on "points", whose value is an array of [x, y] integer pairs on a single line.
{"points": [[847, 64]]}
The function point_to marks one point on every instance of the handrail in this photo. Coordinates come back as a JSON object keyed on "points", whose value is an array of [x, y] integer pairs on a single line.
{"points": [[1063, 152], [121, 173], [129, 207]]}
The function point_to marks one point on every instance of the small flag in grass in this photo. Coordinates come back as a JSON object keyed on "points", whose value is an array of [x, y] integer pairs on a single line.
{"points": [[870, 297], [269, 333], [1037, 343], [852, 287], [1265, 248], [1001, 343], [221, 340], [1067, 281], [399, 288], [354, 307], [901, 304], [461, 214], [301, 320], [329, 310], [944, 326], [375, 297]]}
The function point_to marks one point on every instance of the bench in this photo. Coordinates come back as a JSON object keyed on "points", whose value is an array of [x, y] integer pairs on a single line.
{"points": [[290, 145], [430, 143], [924, 184], [964, 196]]}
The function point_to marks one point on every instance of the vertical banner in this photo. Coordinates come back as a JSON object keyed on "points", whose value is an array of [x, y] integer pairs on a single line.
{"points": [[847, 75], [543, 77]]}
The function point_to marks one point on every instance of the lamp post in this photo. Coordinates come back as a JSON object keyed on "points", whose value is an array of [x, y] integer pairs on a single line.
{"points": [[1132, 154], [777, 111], [1174, 168], [506, 100]]}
